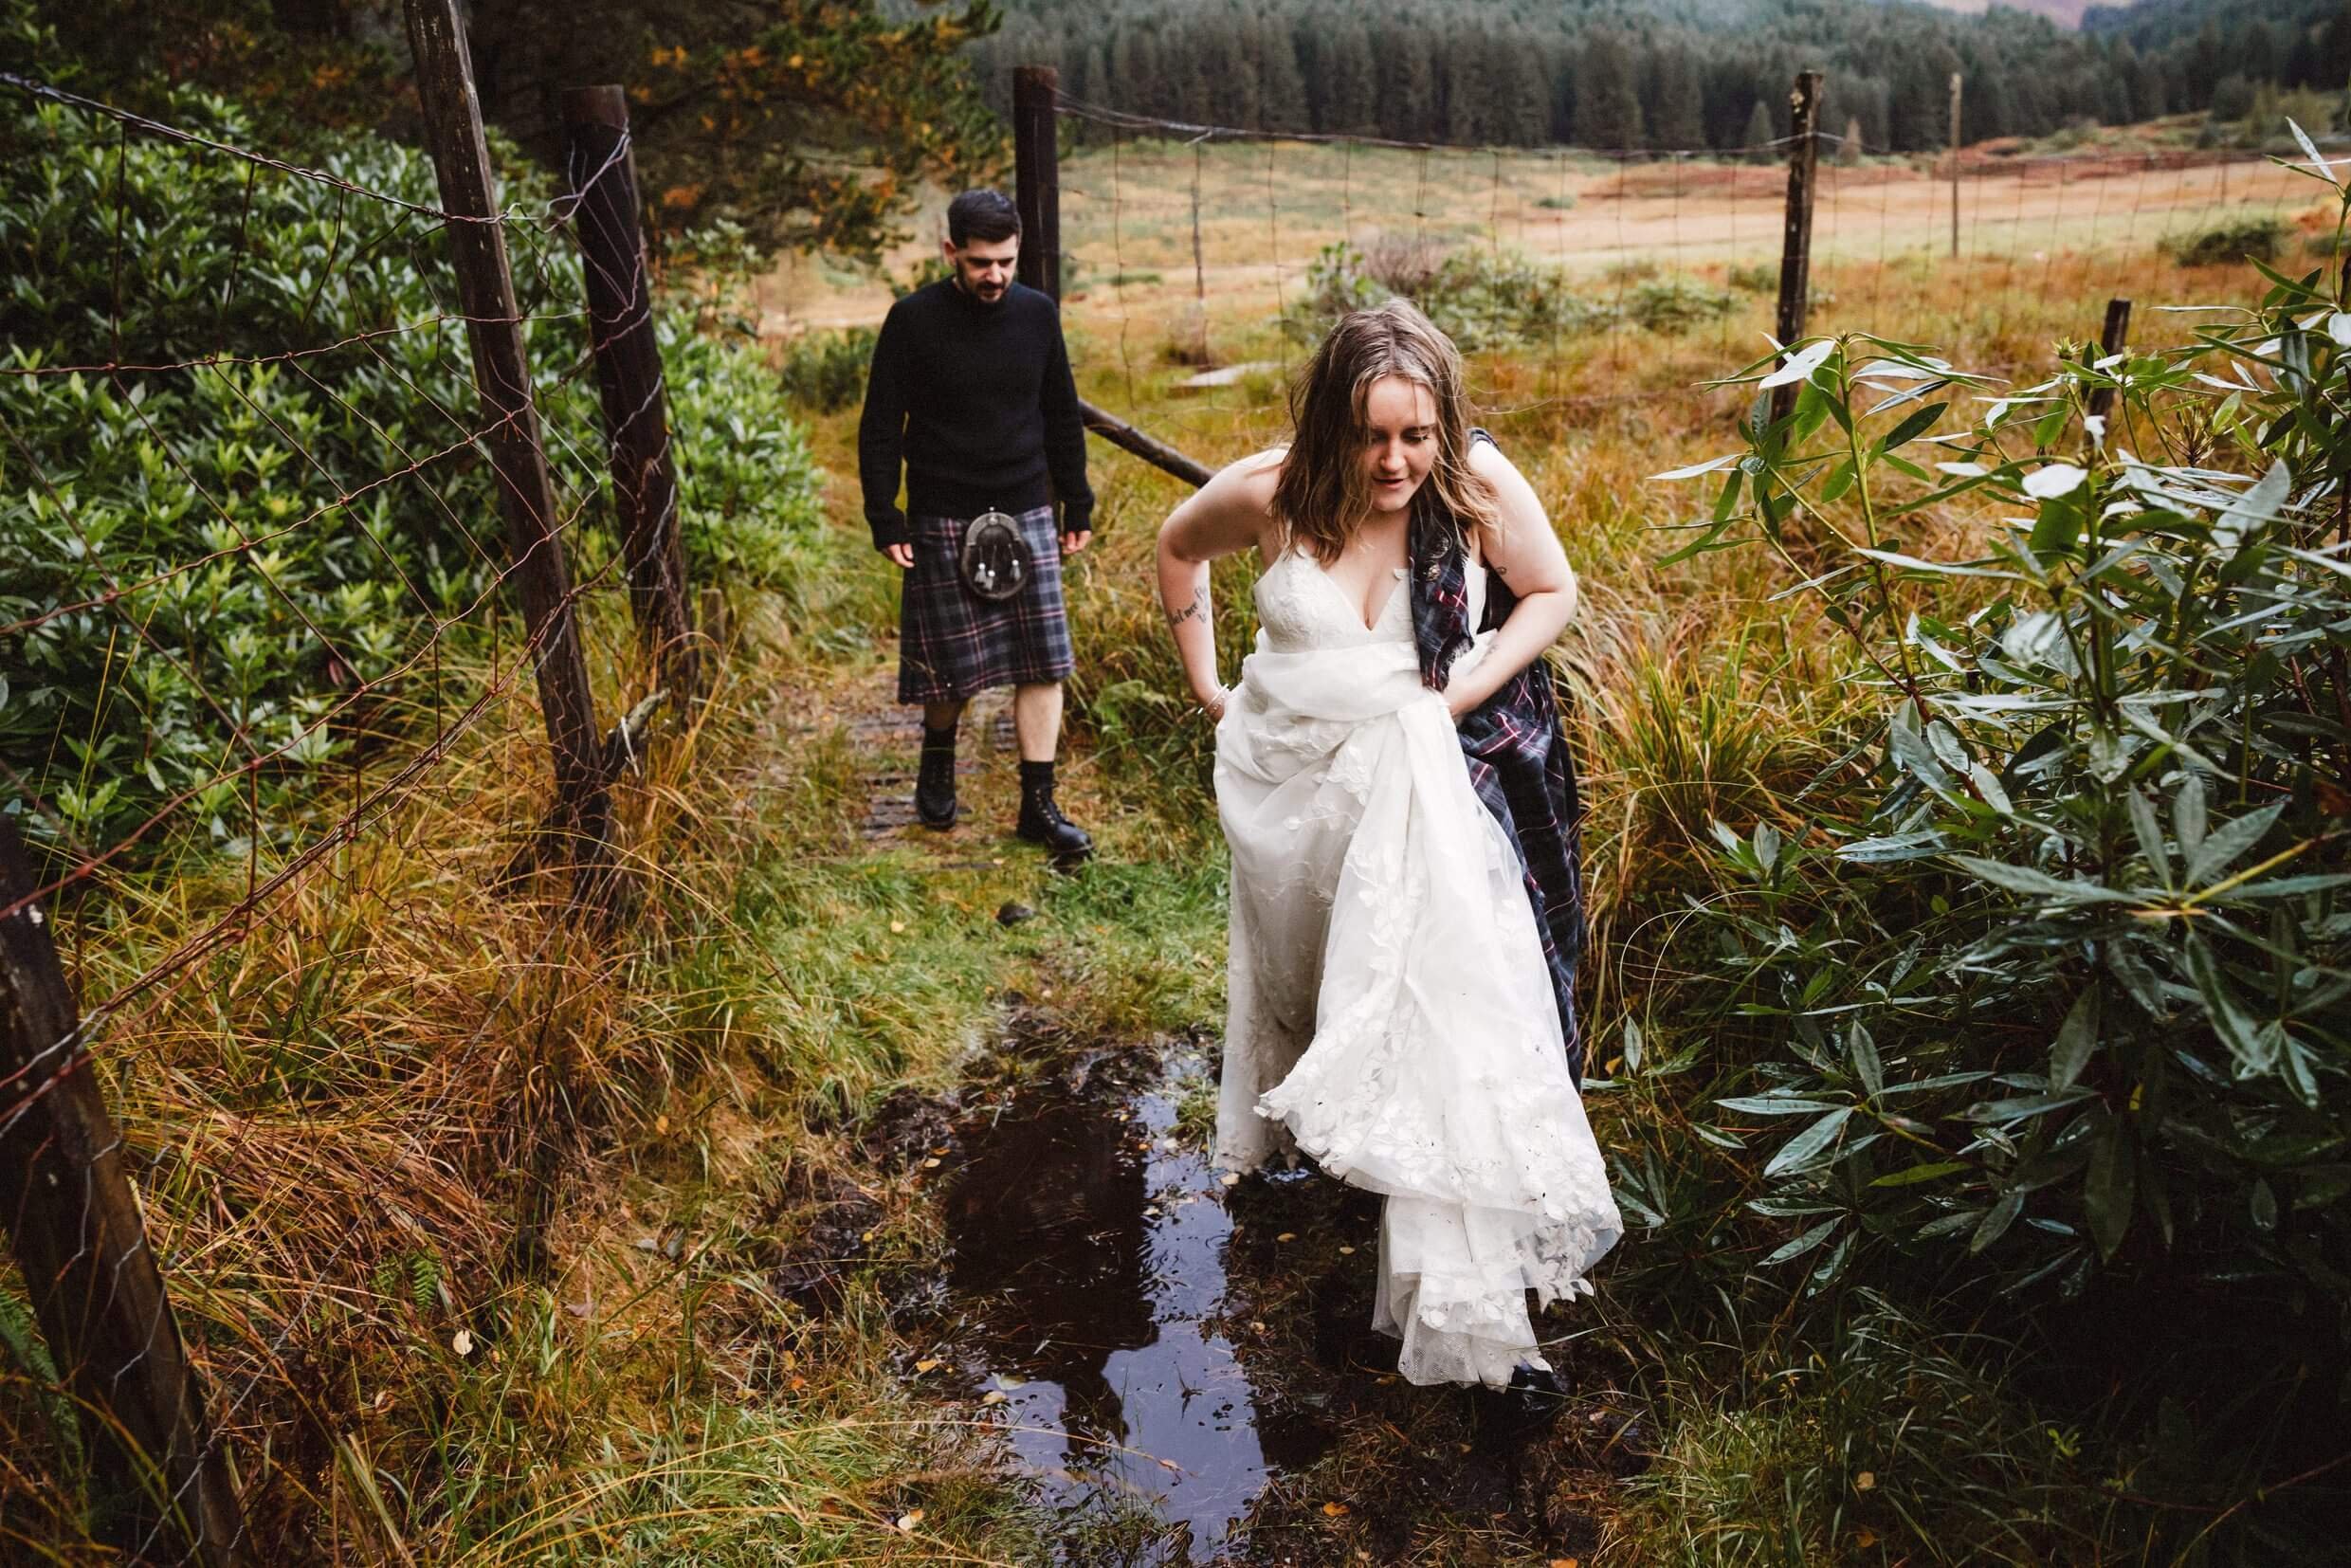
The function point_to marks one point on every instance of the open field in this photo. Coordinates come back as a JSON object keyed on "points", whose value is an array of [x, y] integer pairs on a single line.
{"points": [[1266, 209]]}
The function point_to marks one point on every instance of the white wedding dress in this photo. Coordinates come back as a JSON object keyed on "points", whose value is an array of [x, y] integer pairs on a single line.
{"points": [[1390, 1011]]}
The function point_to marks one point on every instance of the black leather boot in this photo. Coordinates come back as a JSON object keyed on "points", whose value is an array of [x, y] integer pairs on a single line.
{"points": [[1041, 821], [934, 786]]}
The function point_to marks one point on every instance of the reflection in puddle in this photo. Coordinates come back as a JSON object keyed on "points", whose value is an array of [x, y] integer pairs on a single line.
{"points": [[1089, 1254]]}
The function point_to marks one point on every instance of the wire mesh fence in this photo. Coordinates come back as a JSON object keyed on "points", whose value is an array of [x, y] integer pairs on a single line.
{"points": [[257, 604], [1608, 276]]}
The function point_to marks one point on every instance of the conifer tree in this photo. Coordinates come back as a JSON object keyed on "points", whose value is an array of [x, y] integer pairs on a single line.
{"points": [[1676, 110], [1347, 80], [1607, 106], [1280, 87]]}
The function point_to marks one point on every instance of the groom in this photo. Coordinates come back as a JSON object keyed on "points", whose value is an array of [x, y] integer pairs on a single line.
{"points": [[969, 390]]}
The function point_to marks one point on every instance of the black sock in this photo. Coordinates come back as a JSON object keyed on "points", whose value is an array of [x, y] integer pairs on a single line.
{"points": [[1037, 780], [939, 741]]}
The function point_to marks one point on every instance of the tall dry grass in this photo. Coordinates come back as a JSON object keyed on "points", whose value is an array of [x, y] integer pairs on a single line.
{"points": [[468, 1205]]}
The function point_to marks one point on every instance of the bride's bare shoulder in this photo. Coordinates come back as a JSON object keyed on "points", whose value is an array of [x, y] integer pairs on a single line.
{"points": [[1256, 475]]}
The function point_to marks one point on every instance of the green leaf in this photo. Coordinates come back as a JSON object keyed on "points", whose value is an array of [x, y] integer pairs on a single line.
{"points": [[1996, 1221], [1840, 480], [2229, 839], [2077, 1037], [2026, 1106], [1917, 1174], [1806, 1242], [1863, 1051], [1725, 503], [2149, 833], [2287, 888], [1920, 421], [2058, 527], [2023, 879], [2112, 1184], [1779, 1105], [1810, 1146], [2188, 821], [1812, 407], [2252, 1042], [1832, 1266]]}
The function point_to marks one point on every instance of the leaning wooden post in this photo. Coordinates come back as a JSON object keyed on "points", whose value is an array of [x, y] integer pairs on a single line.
{"points": [[160, 1480], [2111, 339], [1795, 248], [1036, 175], [1150, 449], [501, 371], [603, 177]]}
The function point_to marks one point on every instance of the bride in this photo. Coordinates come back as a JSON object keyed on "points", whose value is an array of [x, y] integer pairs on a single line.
{"points": [[1392, 1008]]}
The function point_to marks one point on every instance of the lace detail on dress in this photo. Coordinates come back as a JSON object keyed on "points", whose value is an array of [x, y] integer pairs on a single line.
{"points": [[1390, 1011]]}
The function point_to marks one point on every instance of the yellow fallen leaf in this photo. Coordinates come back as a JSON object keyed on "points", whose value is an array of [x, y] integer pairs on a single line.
{"points": [[1346, 1251], [932, 1163], [798, 1383], [1287, 1235], [661, 1124], [993, 1396], [1865, 1481], [1333, 1509], [929, 1364], [908, 1521], [897, 926], [1865, 1539], [462, 1342], [1564, 1562], [1231, 1180]]}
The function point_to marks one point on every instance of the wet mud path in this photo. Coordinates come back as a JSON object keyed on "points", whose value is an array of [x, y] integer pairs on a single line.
{"points": [[1180, 1364], [1183, 1371]]}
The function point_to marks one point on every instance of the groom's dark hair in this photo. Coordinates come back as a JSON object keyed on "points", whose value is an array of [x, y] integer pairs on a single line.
{"points": [[981, 214]]}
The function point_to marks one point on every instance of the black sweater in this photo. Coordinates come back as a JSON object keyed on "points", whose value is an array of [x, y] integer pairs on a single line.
{"points": [[978, 402]]}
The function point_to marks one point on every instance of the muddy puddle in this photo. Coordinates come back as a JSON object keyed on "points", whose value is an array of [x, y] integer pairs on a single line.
{"points": [[1185, 1373], [1090, 1243]]}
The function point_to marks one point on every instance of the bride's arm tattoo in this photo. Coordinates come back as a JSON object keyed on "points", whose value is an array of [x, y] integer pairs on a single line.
{"points": [[1190, 611]]}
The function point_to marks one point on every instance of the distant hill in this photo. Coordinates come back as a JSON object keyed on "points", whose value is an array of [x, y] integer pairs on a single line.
{"points": [[2066, 13], [1611, 74]]}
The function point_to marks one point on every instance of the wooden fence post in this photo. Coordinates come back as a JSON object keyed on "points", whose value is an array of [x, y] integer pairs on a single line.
{"points": [[603, 173], [501, 371], [160, 1480], [1036, 175], [2116, 334], [1795, 249], [1955, 165]]}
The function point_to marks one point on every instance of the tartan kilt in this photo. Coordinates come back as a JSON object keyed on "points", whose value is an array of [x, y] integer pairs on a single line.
{"points": [[952, 642]]}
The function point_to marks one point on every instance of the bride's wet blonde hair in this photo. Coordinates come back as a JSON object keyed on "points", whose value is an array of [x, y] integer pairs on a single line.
{"points": [[1324, 493]]}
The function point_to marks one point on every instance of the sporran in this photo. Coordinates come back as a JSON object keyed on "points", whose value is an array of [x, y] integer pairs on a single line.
{"points": [[994, 561]]}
